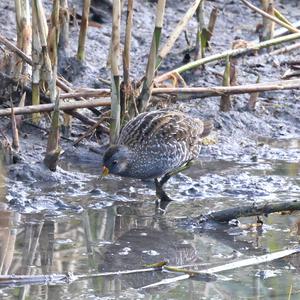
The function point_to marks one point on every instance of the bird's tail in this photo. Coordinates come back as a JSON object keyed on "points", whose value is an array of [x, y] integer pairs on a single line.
{"points": [[207, 127]]}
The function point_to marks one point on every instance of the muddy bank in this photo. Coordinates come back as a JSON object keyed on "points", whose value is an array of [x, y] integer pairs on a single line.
{"points": [[239, 136]]}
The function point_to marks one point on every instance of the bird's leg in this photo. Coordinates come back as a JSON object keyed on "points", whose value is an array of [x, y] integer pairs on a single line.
{"points": [[160, 193], [167, 176]]}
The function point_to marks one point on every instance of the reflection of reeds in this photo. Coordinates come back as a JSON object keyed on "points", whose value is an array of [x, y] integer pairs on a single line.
{"points": [[8, 233]]}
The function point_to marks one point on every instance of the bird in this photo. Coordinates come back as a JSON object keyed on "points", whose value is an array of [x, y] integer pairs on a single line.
{"points": [[156, 144]]}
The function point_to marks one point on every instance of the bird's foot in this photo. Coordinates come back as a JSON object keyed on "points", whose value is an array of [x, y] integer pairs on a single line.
{"points": [[160, 193]]}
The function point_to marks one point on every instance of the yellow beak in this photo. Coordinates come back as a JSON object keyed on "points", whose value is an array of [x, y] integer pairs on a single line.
{"points": [[105, 171]]}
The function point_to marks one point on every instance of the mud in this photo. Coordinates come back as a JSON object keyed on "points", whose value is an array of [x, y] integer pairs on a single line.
{"points": [[240, 134]]}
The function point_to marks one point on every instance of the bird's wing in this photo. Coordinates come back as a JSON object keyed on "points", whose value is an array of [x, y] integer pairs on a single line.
{"points": [[161, 125]]}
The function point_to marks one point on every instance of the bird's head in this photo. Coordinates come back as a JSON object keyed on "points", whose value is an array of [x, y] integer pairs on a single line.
{"points": [[115, 160]]}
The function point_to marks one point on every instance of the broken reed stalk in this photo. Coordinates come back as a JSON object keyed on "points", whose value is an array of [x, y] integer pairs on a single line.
{"points": [[176, 32], [23, 35], [36, 65], [19, 119], [212, 22], [64, 106], [201, 92], [269, 25], [281, 17], [46, 70], [53, 150], [63, 43], [225, 102], [276, 20], [127, 99], [115, 75], [200, 40], [231, 53], [127, 44], [253, 98], [53, 35], [14, 129], [83, 29], [145, 95]]}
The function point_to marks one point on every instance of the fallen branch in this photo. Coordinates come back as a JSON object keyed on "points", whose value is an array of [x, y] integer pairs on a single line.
{"points": [[234, 52], [249, 210], [201, 92], [66, 106]]}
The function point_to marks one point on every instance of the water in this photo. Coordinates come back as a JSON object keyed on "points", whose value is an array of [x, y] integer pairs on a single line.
{"points": [[114, 226]]}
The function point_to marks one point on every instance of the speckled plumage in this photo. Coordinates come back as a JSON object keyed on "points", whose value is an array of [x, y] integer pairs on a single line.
{"points": [[155, 143]]}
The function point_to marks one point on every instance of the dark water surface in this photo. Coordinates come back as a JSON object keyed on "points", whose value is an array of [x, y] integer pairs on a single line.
{"points": [[114, 226]]}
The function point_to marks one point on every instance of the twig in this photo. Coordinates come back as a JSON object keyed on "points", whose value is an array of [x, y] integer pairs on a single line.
{"points": [[285, 49], [276, 20], [200, 92], [65, 106], [86, 93], [231, 53], [90, 130]]}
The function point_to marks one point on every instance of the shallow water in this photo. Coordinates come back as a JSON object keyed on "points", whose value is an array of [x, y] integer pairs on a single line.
{"points": [[113, 225]]}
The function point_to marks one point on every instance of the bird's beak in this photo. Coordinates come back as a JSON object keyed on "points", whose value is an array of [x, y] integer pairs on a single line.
{"points": [[105, 171]]}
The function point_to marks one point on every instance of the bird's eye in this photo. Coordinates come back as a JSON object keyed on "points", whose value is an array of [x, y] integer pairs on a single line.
{"points": [[114, 162]]}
